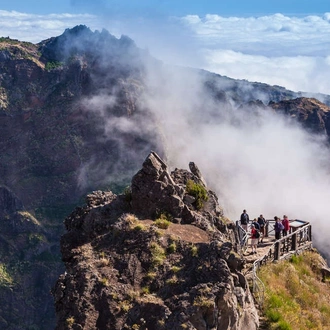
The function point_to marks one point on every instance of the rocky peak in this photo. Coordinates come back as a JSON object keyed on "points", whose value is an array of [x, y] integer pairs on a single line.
{"points": [[151, 259]]}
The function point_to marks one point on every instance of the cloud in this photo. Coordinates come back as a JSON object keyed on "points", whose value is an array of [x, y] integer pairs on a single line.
{"points": [[35, 28], [259, 160], [299, 73], [289, 51]]}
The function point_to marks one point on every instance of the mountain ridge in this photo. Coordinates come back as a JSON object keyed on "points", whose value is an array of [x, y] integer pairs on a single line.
{"points": [[73, 121]]}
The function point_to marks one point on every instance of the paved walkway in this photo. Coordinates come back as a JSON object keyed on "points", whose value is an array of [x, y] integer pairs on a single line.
{"points": [[262, 249]]}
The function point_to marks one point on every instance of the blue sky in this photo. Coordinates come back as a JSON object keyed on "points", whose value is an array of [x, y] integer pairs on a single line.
{"points": [[279, 42], [178, 7]]}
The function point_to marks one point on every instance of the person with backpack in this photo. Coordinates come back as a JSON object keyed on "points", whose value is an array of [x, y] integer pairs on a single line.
{"points": [[257, 228], [256, 224], [278, 227], [262, 223], [286, 225], [244, 220], [254, 239]]}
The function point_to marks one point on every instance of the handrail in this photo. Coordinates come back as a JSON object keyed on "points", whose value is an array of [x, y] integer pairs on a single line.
{"points": [[300, 239], [243, 235]]}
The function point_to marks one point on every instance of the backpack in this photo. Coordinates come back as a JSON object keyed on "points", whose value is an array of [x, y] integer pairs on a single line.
{"points": [[257, 234]]}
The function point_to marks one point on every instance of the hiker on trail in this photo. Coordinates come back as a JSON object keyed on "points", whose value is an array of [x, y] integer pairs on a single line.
{"points": [[257, 228], [254, 239], [278, 227], [286, 225], [244, 220], [256, 224], [262, 224]]}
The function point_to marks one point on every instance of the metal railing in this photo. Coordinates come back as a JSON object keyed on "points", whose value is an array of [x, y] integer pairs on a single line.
{"points": [[298, 240]]}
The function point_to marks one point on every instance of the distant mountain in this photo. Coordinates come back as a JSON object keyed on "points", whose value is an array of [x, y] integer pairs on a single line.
{"points": [[72, 121]]}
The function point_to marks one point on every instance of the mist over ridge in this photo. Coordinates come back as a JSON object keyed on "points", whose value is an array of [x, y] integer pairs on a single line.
{"points": [[253, 157]]}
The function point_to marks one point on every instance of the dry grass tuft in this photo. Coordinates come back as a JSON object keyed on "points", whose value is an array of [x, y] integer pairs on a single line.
{"points": [[296, 297]]}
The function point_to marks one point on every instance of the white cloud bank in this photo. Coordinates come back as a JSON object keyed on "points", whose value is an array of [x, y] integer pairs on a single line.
{"points": [[293, 52], [264, 163], [35, 28]]}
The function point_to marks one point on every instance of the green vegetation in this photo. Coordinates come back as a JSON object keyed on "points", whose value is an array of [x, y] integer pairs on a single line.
{"points": [[175, 269], [173, 280], [70, 321], [128, 194], [202, 301], [145, 290], [194, 250], [5, 277], [171, 248], [35, 239], [198, 191], [158, 254], [53, 65], [162, 223], [296, 297], [104, 281], [140, 227]]}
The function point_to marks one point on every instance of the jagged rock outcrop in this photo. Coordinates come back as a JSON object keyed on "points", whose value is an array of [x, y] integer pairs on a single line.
{"points": [[128, 271], [310, 112]]}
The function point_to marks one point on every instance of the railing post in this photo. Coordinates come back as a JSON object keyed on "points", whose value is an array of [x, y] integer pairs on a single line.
{"points": [[310, 232], [294, 242], [277, 251], [266, 229]]}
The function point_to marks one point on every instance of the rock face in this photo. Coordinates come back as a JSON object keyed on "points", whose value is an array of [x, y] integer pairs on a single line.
{"points": [[128, 271], [311, 113], [28, 267]]}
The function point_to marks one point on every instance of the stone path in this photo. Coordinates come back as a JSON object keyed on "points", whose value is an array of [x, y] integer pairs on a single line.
{"points": [[262, 249]]}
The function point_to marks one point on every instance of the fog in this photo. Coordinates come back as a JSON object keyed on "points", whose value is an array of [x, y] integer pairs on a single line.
{"points": [[253, 159]]}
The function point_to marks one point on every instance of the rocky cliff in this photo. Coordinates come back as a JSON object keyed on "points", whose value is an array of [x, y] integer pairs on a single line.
{"points": [[28, 266], [153, 259]]}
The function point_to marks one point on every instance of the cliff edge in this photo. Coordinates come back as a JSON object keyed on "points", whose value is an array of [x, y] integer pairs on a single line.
{"points": [[160, 256]]}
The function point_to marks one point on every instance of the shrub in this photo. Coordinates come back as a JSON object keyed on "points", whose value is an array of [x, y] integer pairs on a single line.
{"points": [[194, 250], [104, 281], [198, 191], [202, 301], [70, 321], [52, 65], [162, 223], [145, 290], [125, 306], [171, 248], [158, 254], [5, 278], [273, 315], [139, 227], [282, 325], [172, 280], [151, 275]]}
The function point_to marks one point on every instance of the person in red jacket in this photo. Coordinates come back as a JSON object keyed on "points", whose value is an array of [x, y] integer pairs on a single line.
{"points": [[286, 224]]}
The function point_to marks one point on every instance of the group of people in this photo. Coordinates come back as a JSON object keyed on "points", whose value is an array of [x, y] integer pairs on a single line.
{"points": [[258, 228]]}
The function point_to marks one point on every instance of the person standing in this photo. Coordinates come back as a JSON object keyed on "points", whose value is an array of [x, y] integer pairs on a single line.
{"points": [[244, 220], [278, 227], [262, 225], [286, 225], [254, 239]]}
